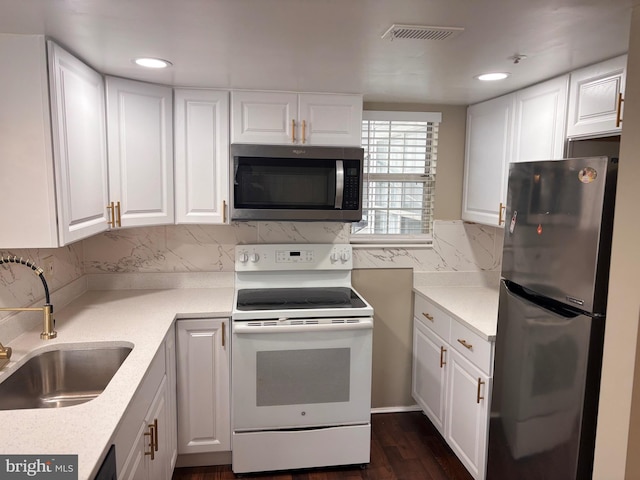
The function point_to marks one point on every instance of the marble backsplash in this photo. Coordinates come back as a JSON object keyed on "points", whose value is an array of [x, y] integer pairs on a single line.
{"points": [[457, 247]]}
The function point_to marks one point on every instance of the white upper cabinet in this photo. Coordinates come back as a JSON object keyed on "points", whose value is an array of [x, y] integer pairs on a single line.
{"points": [[540, 121], [595, 98], [487, 154], [299, 119], [140, 145], [201, 155], [527, 125], [47, 207], [79, 145], [330, 119]]}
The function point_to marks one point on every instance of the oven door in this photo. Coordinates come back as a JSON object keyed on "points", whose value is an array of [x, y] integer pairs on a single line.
{"points": [[301, 373]]}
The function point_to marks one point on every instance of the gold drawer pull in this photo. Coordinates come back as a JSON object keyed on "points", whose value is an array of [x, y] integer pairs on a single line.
{"points": [[442, 362], [112, 214], [155, 435], [119, 216], [464, 343], [501, 211], [478, 397], [152, 436], [293, 131], [619, 110], [427, 316]]}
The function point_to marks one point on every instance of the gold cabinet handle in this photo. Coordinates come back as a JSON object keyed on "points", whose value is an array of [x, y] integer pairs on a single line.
{"points": [[619, 111], [224, 211], [480, 383], [304, 128], [223, 334], [119, 216], [111, 208], [442, 352], [155, 435], [293, 131], [152, 448], [464, 343], [503, 207], [427, 316]]}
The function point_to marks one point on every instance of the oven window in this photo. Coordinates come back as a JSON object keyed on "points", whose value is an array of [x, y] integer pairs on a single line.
{"points": [[294, 377], [284, 183]]}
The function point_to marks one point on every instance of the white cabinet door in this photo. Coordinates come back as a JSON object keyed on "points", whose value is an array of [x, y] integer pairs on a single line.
{"points": [[204, 420], [140, 146], [487, 154], [595, 98], [159, 464], [429, 373], [79, 146], [202, 155], [135, 467], [467, 420], [171, 400], [263, 117], [299, 119], [330, 119], [540, 121]]}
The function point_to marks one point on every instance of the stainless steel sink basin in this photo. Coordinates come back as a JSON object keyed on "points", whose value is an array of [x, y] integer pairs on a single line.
{"points": [[61, 378]]}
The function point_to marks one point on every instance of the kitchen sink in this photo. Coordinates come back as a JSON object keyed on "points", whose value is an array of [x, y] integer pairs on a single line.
{"points": [[61, 378]]}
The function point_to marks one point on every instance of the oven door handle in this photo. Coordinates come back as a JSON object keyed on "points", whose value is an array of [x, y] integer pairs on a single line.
{"points": [[339, 184], [241, 328]]}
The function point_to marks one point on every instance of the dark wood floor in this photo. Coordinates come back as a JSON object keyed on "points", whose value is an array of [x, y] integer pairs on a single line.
{"points": [[404, 446]]}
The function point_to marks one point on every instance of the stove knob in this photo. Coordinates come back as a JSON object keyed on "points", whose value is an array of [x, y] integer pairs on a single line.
{"points": [[243, 257], [254, 257], [334, 257], [344, 256]]}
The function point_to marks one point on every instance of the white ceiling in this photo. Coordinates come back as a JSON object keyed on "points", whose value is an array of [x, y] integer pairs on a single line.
{"points": [[333, 45]]}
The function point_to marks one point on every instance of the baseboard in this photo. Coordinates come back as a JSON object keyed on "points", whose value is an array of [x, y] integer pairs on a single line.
{"points": [[409, 408], [203, 459]]}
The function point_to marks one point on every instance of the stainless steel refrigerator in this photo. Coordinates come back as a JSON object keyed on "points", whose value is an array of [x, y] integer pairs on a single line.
{"points": [[551, 320]]}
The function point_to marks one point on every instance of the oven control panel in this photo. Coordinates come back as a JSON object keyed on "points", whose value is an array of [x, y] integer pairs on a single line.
{"points": [[293, 257]]}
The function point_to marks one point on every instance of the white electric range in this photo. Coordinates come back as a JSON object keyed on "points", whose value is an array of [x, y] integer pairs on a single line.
{"points": [[301, 359]]}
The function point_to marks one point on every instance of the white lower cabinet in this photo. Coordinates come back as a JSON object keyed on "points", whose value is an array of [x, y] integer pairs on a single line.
{"points": [[145, 440], [429, 379], [204, 419], [467, 418], [451, 382]]}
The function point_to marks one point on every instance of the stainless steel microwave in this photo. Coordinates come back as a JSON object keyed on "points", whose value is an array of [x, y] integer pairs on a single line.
{"points": [[308, 183]]}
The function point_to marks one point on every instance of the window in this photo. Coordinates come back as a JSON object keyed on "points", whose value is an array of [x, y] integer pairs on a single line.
{"points": [[399, 176]]}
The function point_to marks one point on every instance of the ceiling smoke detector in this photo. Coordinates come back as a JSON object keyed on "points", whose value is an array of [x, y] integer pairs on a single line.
{"points": [[420, 32]]}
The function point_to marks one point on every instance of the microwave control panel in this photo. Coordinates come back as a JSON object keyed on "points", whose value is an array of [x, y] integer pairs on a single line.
{"points": [[351, 195]]}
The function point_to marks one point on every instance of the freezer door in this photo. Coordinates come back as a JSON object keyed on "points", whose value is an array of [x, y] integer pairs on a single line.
{"points": [[558, 233], [545, 392]]}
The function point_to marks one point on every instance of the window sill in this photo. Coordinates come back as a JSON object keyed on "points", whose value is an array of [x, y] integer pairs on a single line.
{"points": [[373, 241]]}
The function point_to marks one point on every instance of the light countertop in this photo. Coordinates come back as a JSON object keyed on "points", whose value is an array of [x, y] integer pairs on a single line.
{"points": [[140, 318], [474, 306]]}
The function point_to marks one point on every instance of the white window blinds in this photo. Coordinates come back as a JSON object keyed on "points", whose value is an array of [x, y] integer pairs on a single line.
{"points": [[400, 152]]}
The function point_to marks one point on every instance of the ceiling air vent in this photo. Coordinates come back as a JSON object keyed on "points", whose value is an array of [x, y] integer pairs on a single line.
{"points": [[419, 32]]}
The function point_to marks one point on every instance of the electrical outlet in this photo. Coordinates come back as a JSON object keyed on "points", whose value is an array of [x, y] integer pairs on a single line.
{"points": [[47, 266]]}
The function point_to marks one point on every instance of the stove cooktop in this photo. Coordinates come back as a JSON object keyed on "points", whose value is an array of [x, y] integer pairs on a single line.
{"points": [[297, 298]]}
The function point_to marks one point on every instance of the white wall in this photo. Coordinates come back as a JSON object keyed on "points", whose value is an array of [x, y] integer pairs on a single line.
{"points": [[617, 439]]}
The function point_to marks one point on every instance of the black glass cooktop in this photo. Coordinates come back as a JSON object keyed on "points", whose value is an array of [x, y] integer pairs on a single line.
{"points": [[297, 298]]}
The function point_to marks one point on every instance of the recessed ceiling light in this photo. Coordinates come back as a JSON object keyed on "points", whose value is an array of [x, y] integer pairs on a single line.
{"points": [[489, 77], [152, 62]]}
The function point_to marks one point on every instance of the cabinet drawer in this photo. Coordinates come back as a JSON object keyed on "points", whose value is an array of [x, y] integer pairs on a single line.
{"points": [[472, 346], [434, 318]]}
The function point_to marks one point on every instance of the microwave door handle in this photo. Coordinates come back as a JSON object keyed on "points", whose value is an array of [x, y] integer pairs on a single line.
{"points": [[339, 183]]}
